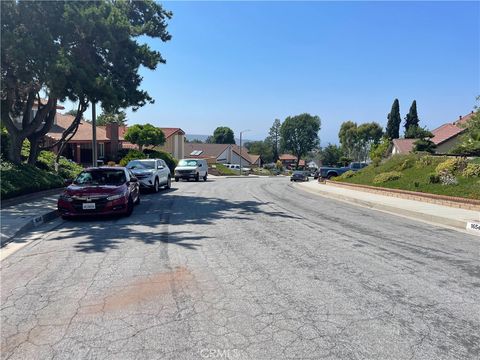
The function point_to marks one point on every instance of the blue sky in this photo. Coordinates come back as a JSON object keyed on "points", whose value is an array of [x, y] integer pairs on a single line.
{"points": [[243, 64]]}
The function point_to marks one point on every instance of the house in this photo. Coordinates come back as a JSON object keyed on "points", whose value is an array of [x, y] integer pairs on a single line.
{"points": [[446, 137], [79, 147], [289, 161], [174, 142], [221, 153], [110, 139]]}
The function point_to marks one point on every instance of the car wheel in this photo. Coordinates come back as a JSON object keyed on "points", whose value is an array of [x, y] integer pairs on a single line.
{"points": [[205, 177], [197, 177], [138, 200], [129, 207], [177, 179], [156, 186], [169, 183]]}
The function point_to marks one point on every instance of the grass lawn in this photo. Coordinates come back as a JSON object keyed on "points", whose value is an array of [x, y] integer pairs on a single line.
{"points": [[416, 177]]}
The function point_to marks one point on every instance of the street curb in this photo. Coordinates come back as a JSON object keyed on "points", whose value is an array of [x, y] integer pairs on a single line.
{"points": [[457, 224], [31, 224]]}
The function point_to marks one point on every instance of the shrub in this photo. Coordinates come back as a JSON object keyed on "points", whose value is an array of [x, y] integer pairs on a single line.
{"points": [[447, 178], [67, 169], [433, 178], [4, 143], [25, 179], [387, 176], [347, 175], [453, 166], [407, 164], [132, 155], [424, 161], [472, 170]]}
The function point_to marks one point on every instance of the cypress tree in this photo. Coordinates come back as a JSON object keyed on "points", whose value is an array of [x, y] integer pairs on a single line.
{"points": [[394, 121], [412, 117]]}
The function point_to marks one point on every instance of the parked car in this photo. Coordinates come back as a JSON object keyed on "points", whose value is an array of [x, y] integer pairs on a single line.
{"points": [[299, 176], [191, 169], [100, 191], [151, 173], [329, 172], [235, 167]]}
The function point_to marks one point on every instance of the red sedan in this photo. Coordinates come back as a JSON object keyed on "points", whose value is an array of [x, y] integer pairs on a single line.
{"points": [[100, 191]]}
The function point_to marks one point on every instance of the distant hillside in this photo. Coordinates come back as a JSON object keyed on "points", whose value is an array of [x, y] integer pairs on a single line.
{"points": [[203, 138]]}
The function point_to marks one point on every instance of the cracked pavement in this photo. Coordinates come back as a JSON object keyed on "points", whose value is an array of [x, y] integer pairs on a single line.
{"points": [[243, 269]]}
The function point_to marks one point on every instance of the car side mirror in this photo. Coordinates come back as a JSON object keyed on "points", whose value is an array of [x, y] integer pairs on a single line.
{"points": [[199, 165], [160, 167], [133, 179], [67, 182]]}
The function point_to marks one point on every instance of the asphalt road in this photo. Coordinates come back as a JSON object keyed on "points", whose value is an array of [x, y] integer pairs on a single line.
{"points": [[243, 269]]}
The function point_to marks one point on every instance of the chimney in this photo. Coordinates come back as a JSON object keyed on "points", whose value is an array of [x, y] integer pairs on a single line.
{"points": [[460, 117], [112, 134]]}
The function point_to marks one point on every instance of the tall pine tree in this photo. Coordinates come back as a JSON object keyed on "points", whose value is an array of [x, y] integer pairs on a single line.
{"points": [[394, 121], [412, 117]]}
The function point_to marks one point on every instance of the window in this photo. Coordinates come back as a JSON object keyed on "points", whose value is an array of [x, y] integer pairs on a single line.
{"points": [[101, 150]]}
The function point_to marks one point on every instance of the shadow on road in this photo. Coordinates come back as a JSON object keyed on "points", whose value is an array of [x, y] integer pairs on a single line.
{"points": [[155, 219]]}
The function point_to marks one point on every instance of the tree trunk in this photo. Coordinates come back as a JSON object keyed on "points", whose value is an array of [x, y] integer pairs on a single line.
{"points": [[33, 155], [14, 153]]}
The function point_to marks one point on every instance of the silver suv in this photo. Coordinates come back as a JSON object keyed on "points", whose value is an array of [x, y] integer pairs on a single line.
{"points": [[151, 173]]}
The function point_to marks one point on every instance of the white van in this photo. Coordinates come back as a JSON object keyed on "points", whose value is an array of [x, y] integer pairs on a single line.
{"points": [[191, 169]]}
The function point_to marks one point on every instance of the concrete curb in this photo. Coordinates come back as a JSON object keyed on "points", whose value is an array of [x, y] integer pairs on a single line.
{"points": [[31, 224], [457, 224]]}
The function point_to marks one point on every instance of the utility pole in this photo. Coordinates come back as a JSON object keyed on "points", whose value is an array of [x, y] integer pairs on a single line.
{"points": [[94, 135], [241, 132]]}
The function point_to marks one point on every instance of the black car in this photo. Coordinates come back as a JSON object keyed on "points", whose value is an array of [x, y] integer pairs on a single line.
{"points": [[299, 176]]}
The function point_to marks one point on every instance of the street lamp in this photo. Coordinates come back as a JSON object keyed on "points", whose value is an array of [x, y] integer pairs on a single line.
{"points": [[241, 132]]}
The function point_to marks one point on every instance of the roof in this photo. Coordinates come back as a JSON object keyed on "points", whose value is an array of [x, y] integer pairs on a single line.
{"points": [[172, 131], [287, 157], [84, 132], [206, 150], [404, 146], [245, 154], [254, 158], [450, 130]]}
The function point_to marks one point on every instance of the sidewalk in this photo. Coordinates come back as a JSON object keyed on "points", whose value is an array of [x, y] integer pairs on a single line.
{"points": [[24, 213], [433, 213]]}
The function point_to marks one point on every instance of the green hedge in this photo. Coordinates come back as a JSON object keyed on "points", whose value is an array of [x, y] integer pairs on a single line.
{"points": [[66, 169], [24, 179]]}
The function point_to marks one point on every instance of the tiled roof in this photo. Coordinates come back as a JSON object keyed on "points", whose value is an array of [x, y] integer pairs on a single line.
{"points": [[404, 146], [84, 132], [450, 130], [171, 131]]}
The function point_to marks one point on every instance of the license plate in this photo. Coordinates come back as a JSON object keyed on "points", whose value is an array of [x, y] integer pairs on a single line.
{"points": [[88, 206]]}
